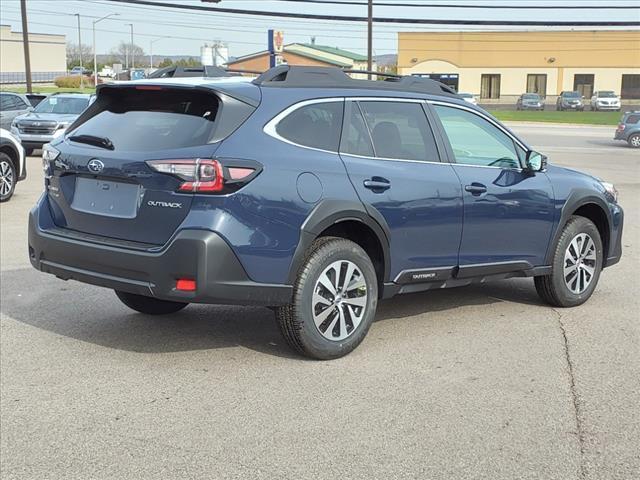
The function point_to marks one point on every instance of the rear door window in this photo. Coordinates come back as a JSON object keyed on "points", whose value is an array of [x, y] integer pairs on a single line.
{"points": [[633, 119], [356, 139], [316, 125], [150, 120], [400, 130]]}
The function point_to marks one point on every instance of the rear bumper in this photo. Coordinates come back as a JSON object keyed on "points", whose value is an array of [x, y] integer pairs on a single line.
{"points": [[195, 254]]}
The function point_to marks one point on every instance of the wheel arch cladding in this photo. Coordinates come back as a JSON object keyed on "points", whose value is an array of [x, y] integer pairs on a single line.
{"points": [[584, 204], [345, 219]]}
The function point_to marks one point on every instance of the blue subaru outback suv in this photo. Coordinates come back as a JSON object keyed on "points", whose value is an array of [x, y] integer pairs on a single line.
{"points": [[313, 193]]}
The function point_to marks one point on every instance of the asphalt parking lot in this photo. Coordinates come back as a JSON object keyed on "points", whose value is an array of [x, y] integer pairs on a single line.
{"points": [[481, 382]]}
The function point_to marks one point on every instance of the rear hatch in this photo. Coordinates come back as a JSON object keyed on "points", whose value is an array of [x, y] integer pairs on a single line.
{"points": [[101, 181]]}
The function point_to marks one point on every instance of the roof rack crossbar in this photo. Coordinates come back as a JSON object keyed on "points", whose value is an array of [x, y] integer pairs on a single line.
{"points": [[333, 77]]}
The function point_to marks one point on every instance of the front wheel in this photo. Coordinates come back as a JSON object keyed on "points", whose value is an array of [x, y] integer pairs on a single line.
{"points": [[7, 177], [149, 305], [334, 301], [576, 265]]}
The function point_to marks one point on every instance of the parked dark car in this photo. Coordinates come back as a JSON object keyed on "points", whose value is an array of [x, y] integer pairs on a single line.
{"points": [[530, 101], [313, 193], [570, 101], [629, 129]]}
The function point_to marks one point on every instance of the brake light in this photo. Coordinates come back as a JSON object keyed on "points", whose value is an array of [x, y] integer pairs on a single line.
{"points": [[621, 127], [148, 87], [203, 175]]}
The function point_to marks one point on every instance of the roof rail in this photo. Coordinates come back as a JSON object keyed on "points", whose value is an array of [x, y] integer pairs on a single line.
{"points": [[197, 71], [333, 77]]}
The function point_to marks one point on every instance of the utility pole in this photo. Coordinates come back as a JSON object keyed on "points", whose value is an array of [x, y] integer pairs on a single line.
{"points": [[25, 44], [131, 54], [80, 52], [151, 49], [370, 37]]}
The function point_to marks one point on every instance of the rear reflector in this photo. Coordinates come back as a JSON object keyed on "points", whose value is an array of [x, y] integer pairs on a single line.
{"points": [[186, 285]]}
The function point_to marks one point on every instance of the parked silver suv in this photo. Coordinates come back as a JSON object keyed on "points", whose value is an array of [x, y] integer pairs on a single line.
{"points": [[50, 117]]}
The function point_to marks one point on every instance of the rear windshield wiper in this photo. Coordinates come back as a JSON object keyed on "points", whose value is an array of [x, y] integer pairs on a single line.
{"points": [[102, 142]]}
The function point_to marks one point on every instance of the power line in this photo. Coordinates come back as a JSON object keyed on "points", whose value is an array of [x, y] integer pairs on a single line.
{"points": [[412, 21], [479, 7]]}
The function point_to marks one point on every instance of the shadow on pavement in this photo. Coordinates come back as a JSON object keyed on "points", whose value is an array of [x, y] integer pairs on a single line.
{"points": [[95, 315]]}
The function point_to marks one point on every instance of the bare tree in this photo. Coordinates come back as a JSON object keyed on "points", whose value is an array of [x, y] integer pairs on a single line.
{"points": [[73, 53], [124, 49]]}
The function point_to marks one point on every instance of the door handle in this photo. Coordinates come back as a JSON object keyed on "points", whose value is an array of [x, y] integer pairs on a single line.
{"points": [[377, 184], [476, 188]]}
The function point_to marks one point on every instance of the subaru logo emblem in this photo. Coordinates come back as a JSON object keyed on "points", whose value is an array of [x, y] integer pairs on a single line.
{"points": [[36, 124], [95, 165]]}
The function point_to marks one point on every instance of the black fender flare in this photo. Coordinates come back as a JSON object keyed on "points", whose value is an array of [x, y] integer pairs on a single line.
{"points": [[330, 212], [578, 198]]}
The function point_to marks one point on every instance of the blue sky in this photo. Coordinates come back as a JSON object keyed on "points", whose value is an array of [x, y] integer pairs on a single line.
{"points": [[186, 31]]}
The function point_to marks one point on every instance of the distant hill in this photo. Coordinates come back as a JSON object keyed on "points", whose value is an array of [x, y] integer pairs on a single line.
{"points": [[386, 59]]}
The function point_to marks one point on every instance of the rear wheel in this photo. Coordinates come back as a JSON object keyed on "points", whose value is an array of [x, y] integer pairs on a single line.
{"points": [[576, 264], [149, 305], [634, 140], [7, 177], [334, 301]]}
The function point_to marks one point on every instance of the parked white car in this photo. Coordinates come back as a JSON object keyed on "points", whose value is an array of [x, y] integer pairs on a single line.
{"points": [[468, 97], [13, 167], [605, 100]]}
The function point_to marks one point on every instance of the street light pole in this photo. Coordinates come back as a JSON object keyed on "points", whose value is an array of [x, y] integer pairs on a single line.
{"points": [[95, 55], [131, 54], [80, 52]]}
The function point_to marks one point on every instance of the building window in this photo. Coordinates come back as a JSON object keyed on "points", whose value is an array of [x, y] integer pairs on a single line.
{"points": [[537, 83], [630, 86], [451, 79], [583, 83], [490, 86]]}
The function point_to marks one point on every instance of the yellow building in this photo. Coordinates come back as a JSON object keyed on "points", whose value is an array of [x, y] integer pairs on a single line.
{"points": [[48, 56], [499, 66]]}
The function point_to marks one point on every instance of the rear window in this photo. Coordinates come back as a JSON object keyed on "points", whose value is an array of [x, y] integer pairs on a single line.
{"points": [[317, 125], [148, 120]]}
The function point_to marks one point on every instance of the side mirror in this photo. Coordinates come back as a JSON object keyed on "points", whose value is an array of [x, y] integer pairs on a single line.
{"points": [[535, 162]]}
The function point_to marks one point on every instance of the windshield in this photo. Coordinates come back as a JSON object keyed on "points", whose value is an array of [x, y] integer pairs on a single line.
{"points": [[531, 96], [571, 95], [62, 105], [606, 95]]}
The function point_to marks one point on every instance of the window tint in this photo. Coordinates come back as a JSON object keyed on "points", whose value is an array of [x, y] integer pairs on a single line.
{"points": [[475, 141], [400, 130], [356, 139], [139, 120], [317, 125]]}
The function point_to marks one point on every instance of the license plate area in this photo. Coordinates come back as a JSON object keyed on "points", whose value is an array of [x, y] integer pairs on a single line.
{"points": [[106, 198]]}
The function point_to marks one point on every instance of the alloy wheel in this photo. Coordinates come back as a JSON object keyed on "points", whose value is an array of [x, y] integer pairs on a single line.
{"points": [[6, 178], [339, 300], [580, 263], [635, 141]]}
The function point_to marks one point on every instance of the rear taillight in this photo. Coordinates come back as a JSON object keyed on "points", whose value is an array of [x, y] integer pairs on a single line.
{"points": [[202, 175], [621, 127]]}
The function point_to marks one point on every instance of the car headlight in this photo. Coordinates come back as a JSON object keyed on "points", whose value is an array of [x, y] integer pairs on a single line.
{"points": [[611, 190]]}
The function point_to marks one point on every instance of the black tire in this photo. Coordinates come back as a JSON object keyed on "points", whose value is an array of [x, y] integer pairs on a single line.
{"points": [[8, 177], [634, 140], [149, 305], [553, 288], [296, 321]]}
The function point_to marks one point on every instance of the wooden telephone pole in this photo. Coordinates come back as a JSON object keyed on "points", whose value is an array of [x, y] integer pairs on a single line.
{"points": [[25, 44]]}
